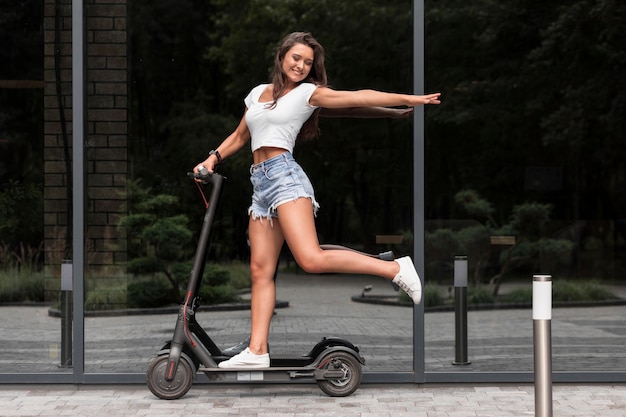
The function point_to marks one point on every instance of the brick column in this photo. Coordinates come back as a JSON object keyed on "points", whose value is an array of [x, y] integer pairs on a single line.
{"points": [[106, 142], [107, 156], [57, 140]]}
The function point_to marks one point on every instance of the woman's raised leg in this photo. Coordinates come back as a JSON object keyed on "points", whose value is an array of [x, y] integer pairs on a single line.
{"points": [[298, 228]]}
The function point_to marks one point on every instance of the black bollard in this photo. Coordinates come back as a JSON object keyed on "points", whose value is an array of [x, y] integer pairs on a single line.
{"points": [[66, 314], [460, 311]]}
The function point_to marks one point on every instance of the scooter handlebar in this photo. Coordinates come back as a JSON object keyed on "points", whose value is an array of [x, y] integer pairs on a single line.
{"points": [[203, 174]]}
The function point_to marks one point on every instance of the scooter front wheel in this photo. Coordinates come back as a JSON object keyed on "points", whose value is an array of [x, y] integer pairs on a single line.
{"points": [[178, 386], [352, 373]]}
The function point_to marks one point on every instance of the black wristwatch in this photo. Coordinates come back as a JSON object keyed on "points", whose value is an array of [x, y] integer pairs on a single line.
{"points": [[217, 154]]}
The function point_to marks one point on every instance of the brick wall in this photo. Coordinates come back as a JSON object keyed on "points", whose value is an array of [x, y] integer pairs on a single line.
{"points": [[57, 138], [105, 145]]}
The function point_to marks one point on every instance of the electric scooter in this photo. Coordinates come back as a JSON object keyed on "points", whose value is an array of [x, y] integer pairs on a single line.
{"points": [[333, 363]]}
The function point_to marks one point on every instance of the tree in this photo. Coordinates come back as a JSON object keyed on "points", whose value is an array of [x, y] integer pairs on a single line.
{"points": [[581, 99], [159, 239], [21, 128], [527, 225], [530, 85], [361, 169]]}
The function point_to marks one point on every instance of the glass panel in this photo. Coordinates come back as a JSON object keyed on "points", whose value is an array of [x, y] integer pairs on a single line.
{"points": [[166, 86], [111, 340], [32, 205], [522, 181]]}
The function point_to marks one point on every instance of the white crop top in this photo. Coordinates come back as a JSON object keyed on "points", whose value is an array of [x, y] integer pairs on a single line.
{"points": [[278, 127]]}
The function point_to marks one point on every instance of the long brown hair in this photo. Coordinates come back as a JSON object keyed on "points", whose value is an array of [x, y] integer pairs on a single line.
{"points": [[317, 75]]}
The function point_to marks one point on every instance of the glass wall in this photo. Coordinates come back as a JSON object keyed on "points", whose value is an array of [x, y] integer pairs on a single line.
{"points": [[32, 227], [165, 85], [524, 178], [521, 177]]}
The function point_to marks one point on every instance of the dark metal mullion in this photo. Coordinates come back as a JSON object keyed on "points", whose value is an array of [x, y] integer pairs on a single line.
{"points": [[78, 184], [418, 185]]}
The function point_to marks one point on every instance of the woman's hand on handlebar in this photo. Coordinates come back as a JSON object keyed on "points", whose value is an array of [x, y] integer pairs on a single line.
{"points": [[206, 167]]}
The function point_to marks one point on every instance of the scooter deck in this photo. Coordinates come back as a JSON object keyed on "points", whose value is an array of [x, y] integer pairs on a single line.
{"points": [[289, 366], [270, 369], [274, 373]]}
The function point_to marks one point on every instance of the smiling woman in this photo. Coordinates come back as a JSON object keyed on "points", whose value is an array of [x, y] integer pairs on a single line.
{"points": [[298, 62], [283, 201]]}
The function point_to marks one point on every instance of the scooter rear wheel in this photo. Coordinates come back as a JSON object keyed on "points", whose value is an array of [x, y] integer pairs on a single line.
{"points": [[178, 386], [351, 367]]}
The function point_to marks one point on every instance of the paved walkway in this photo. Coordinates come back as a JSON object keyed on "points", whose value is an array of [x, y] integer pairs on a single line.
{"points": [[584, 339], [308, 401]]}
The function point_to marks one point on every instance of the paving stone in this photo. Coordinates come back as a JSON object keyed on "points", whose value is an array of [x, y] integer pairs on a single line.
{"points": [[399, 400]]}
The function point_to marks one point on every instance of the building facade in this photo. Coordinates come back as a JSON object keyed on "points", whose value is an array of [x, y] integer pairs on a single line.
{"points": [[86, 146]]}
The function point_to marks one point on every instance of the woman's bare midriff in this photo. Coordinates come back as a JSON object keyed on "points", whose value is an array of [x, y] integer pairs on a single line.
{"points": [[265, 153]]}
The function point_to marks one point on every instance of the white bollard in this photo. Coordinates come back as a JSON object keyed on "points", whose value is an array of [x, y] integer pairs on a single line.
{"points": [[542, 343]]}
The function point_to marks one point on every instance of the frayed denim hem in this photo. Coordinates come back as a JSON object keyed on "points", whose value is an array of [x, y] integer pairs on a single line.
{"points": [[273, 213]]}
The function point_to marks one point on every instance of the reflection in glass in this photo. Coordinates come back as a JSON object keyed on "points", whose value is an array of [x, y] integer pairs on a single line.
{"points": [[166, 86], [587, 324], [540, 175], [29, 275]]}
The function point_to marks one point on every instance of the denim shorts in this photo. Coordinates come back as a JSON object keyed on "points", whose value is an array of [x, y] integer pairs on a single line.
{"points": [[276, 181]]}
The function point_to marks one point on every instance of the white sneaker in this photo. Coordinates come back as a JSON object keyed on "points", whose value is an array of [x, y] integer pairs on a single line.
{"points": [[408, 280], [246, 359]]}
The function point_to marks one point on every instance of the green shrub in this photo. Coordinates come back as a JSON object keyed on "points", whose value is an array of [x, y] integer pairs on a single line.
{"points": [[564, 291], [519, 296], [235, 274], [148, 292], [432, 296], [21, 278], [215, 275], [216, 287], [18, 285], [595, 291], [480, 294], [239, 274], [404, 297], [155, 291], [580, 291], [218, 294], [106, 298]]}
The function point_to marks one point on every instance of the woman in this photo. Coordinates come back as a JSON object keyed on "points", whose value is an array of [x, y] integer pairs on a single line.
{"points": [[283, 202]]}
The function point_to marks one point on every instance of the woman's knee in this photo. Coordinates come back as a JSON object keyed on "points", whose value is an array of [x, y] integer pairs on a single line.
{"points": [[311, 263], [261, 273]]}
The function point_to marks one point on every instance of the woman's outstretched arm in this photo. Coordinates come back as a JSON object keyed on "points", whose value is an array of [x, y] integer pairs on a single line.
{"points": [[329, 98], [368, 112]]}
